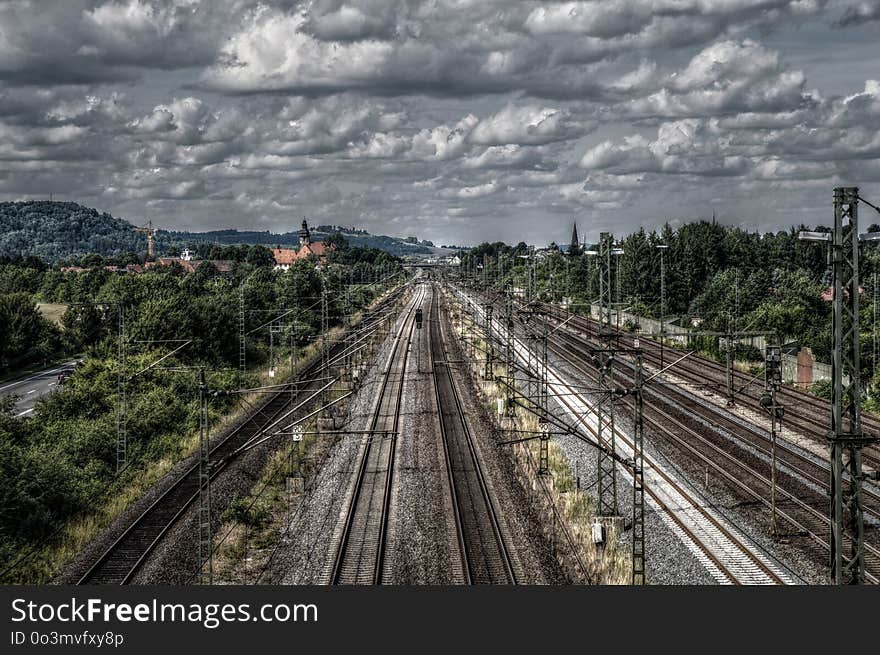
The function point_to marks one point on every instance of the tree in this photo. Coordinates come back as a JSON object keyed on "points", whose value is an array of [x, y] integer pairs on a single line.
{"points": [[337, 241], [260, 256], [23, 330], [83, 325]]}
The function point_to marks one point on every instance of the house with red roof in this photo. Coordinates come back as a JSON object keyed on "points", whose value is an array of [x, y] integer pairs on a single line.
{"points": [[285, 257]]}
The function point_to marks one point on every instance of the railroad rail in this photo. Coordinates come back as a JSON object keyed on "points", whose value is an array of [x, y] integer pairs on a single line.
{"points": [[360, 554], [806, 413], [118, 564], [801, 497], [722, 547], [485, 556], [807, 468]]}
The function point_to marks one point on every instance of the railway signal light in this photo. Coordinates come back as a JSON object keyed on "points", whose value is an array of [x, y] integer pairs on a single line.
{"points": [[773, 368]]}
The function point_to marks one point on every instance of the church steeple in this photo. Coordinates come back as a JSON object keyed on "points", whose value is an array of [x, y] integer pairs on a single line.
{"points": [[575, 247], [305, 238]]}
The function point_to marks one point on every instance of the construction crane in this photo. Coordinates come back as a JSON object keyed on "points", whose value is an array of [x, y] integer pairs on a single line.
{"points": [[149, 230]]}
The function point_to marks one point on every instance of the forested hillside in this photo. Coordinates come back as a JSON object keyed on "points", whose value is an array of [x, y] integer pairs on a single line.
{"points": [[57, 231]]}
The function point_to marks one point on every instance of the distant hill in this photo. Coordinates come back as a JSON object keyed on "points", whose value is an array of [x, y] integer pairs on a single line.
{"points": [[361, 238], [55, 230], [58, 230]]}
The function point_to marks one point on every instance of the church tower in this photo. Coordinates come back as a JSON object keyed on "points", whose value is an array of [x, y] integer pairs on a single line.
{"points": [[574, 248], [304, 237]]}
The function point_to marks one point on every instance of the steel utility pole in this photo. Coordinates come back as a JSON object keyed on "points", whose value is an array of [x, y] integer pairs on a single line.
{"points": [[325, 346], [533, 277], [847, 438], [606, 466], [241, 337], [206, 542], [874, 327], [662, 248], [604, 284], [510, 356], [121, 402], [489, 368], [772, 383], [121, 378], [543, 398], [638, 521]]}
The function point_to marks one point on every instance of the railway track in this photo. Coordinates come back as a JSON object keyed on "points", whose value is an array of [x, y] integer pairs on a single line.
{"points": [[807, 468], [118, 564], [801, 499], [485, 556], [360, 554], [806, 414], [721, 546], [814, 470]]}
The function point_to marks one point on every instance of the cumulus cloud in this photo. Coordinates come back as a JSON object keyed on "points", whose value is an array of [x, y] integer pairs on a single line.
{"points": [[527, 124], [443, 142], [333, 20], [476, 191], [813, 144], [662, 20], [451, 119], [726, 77], [88, 41], [274, 51], [863, 12], [506, 156]]}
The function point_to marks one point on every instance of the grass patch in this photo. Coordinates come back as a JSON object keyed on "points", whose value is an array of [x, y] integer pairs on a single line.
{"points": [[51, 311]]}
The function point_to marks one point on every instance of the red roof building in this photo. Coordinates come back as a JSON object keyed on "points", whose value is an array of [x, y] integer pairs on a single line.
{"points": [[318, 249], [285, 257]]}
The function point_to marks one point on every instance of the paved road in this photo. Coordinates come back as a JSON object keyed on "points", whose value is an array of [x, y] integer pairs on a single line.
{"points": [[33, 386]]}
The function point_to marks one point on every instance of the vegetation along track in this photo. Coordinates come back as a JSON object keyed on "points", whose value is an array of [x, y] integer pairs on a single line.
{"points": [[669, 412], [360, 555], [125, 556], [484, 553]]}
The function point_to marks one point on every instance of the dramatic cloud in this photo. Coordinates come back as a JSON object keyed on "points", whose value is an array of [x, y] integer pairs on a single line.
{"points": [[863, 12], [83, 41], [727, 77], [456, 120]]}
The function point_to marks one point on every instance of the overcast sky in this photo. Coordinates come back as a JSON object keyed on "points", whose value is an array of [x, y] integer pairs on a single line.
{"points": [[453, 120]]}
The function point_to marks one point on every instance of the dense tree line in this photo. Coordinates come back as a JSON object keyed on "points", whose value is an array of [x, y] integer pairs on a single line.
{"points": [[729, 278], [60, 461]]}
